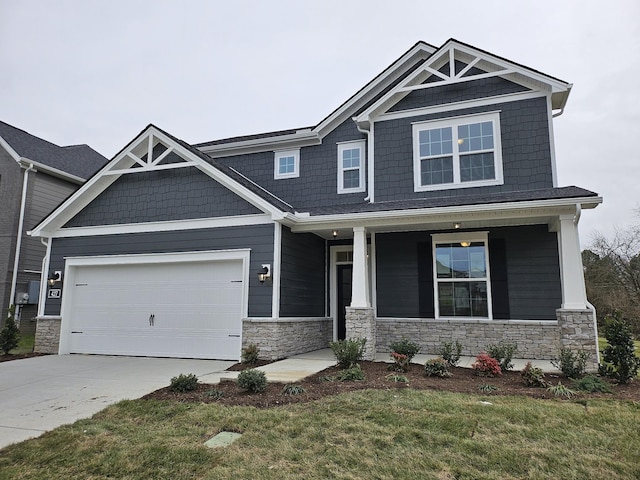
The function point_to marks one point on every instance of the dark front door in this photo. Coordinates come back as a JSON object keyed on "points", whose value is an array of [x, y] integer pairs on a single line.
{"points": [[344, 297]]}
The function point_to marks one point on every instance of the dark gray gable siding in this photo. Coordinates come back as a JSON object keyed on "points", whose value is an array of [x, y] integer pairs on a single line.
{"points": [[529, 266], [318, 180], [176, 194], [526, 152], [258, 238], [302, 282]]}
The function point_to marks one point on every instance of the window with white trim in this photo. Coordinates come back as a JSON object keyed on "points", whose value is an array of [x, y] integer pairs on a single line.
{"points": [[457, 152], [351, 167], [461, 275], [287, 164]]}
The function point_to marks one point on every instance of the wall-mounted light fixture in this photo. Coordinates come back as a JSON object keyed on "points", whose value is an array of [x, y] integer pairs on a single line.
{"points": [[456, 225], [264, 273], [54, 278], [334, 233], [465, 244]]}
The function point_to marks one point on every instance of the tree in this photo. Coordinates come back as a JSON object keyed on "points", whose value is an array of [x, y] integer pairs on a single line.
{"points": [[9, 335]]}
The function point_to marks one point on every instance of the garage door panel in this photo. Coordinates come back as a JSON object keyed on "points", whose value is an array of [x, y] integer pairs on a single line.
{"points": [[176, 310]]}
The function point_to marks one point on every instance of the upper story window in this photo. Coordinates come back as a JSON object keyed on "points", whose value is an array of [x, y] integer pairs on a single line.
{"points": [[457, 152], [287, 164], [351, 167]]}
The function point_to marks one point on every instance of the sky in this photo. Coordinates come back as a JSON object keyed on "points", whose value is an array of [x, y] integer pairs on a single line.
{"points": [[99, 71]]}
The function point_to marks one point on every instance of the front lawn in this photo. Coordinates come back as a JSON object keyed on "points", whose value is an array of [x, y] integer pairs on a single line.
{"points": [[395, 433]]}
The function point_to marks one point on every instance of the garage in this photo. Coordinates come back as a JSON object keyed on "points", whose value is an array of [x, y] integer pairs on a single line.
{"points": [[171, 305]]}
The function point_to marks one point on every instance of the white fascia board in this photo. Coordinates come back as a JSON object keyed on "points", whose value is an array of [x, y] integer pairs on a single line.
{"points": [[303, 138], [25, 162], [4, 144], [534, 208], [168, 226]]}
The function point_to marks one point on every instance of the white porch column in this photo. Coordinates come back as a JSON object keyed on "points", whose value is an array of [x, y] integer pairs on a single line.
{"points": [[360, 280], [574, 295]]}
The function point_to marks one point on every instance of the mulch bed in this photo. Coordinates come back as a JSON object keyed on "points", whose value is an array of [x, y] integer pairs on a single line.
{"points": [[377, 374], [18, 356]]}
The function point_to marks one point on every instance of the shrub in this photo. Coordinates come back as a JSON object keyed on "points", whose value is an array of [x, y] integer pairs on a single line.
{"points": [[351, 374], [400, 362], [250, 354], [9, 335], [405, 347], [292, 389], [533, 376], [255, 381], [503, 353], [561, 390], [348, 352], [451, 352], [572, 364], [437, 367], [392, 377], [214, 393], [619, 359], [486, 366], [486, 388], [184, 383], [592, 384]]}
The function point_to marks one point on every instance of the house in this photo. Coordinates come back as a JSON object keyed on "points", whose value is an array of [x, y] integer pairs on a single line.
{"points": [[35, 176], [426, 207]]}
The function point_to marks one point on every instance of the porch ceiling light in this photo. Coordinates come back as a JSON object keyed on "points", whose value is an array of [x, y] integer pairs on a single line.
{"points": [[54, 278], [264, 273], [465, 244], [334, 233], [456, 225]]}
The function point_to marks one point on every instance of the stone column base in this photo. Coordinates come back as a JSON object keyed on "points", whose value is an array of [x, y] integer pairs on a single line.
{"points": [[361, 323], [578, 332], [47, 335]]}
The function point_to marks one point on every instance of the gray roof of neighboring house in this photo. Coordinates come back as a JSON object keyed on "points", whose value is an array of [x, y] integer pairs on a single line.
{"points": [[79, 160]]}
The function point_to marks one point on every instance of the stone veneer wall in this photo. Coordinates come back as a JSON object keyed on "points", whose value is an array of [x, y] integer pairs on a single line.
{"points": [[535, 339], [361, 323], [47, 335], [578, 332], [283, 337]]}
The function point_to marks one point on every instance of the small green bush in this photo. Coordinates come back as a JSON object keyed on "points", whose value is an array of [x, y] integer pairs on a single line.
{"points": [[352, 374], [183, 383], [503, 353], [255, 381], [393, 377], [451, 352], [292, 389], [405, 347], [10, 334], [250, 354], [533, 376], [572, 364], [348, 352], [486, 366], [592, 384], [214, 393], [619, 358], [561, 390], [486, 388], [437, 367]]}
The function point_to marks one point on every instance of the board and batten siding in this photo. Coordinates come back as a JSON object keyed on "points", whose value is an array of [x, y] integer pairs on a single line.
{"points": [[258, 238], [302, 267]]}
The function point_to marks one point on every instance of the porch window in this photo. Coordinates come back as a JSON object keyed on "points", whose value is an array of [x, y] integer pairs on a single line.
{"points": [[457, 152], [461, 275], [351, 167]]}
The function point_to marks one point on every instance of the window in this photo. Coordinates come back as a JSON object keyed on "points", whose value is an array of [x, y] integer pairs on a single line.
{"points": [[351, 167], [287, 164], [461, 275], [457, 152]]}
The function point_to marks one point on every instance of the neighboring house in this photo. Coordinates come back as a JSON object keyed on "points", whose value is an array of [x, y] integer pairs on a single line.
{"points": [[426, 207], [35, 176]]}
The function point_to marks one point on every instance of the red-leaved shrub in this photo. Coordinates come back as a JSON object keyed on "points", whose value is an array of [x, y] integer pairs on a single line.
{"points": [[486, 366]]}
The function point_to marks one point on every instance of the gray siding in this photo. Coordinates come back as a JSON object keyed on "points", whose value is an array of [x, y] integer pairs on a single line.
{"points": [[532, 273], [259, 238], [302, 283], [526, 152], [176, 194]]}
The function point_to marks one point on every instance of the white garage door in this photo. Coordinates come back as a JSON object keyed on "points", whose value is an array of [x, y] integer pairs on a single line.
{"points": [[189, 310]]}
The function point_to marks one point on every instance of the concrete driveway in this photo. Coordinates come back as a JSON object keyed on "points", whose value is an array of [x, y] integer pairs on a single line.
{"points": [[41, 393]]}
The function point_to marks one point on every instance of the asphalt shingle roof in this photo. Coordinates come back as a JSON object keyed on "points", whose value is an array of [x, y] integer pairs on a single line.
{"points": [[79, 160]]}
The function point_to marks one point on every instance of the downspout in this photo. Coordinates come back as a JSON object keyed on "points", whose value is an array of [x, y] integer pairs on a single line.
{"points": [[370, 138], [16, 261]]}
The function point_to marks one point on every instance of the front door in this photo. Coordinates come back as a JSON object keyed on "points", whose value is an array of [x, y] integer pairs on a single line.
{"points": [[344, 296]]}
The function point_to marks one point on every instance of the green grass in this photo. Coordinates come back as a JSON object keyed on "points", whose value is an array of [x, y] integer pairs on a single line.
{"points": [[399, 434], [25, 345]]}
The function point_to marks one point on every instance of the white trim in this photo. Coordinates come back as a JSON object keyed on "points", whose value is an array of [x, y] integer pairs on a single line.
{"points": [[353, 145], [456, 155], [168, 226], [276, 268], [4, 144], [373, 265], [277, 156], [302, 138], [54, 172], [44, 275], [333, 276], [552, 143], [475, 236]]}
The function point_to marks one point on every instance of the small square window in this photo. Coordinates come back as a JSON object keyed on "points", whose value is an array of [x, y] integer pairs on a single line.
{"points": [[287, 164]]}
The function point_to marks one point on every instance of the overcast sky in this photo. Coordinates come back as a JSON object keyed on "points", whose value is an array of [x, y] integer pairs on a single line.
{"points": [[98, 72]]}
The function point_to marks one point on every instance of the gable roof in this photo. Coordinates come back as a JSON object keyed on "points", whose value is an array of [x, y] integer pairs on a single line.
{"points": [[79, 161]]}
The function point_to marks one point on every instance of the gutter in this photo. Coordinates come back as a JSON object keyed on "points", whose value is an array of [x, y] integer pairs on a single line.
{"points": [[370, 152], [23, 204]]}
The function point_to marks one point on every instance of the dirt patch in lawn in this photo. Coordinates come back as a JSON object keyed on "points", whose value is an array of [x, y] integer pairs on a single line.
{"points": [[378, 376]]}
